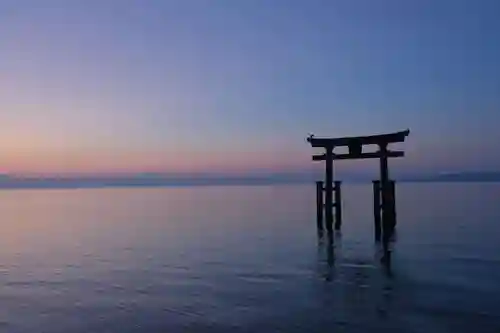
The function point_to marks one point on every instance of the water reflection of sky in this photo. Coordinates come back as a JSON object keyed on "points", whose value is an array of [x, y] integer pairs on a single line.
{"points": [[245, 258]]}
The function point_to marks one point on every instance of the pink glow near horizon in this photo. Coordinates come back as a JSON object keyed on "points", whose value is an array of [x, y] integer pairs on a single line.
{"points": [[134, 162], [190, 86]]}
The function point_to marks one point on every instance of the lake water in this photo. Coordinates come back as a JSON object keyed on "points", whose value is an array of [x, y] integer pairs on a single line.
{"points": [[246, 259]]}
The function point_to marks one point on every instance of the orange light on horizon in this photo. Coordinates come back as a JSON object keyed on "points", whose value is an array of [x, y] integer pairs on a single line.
{"points": [[109, 161]]}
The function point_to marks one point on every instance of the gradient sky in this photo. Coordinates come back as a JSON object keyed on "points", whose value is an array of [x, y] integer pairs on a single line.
{"points": [[237, 85]]}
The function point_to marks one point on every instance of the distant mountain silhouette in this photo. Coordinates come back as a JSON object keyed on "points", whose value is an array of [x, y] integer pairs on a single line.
{"points": [[151, 180], [492, 176], [206, 179]]}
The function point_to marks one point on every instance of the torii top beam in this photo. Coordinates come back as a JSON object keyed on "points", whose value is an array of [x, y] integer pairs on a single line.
{"points": [[379, 139], [355, 144]]}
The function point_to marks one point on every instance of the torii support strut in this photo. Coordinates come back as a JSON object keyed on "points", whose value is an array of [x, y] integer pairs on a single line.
{"points": [[355, 145]]}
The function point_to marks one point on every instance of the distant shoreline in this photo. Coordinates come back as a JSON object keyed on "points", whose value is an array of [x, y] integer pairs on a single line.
{"points": [[41, 185], [191, 180]]}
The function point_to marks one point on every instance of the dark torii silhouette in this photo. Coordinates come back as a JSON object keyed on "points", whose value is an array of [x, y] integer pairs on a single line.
{"points": [[355, 145]]}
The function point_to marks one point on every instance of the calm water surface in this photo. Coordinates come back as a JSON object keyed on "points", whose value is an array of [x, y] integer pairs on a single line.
{"points": [[246, 259]]}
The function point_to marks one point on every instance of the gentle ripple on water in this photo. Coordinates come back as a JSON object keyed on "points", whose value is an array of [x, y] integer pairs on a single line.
{"points": [[143, 260]]}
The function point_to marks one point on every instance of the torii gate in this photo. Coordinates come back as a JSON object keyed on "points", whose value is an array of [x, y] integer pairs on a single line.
{"points": [[384, 186]]}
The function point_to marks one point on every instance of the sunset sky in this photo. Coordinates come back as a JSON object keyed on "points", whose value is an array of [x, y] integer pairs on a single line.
{"points": [[96, 86]]}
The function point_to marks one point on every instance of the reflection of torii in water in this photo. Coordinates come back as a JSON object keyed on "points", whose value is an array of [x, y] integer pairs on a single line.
{"points": [[383, 190]]}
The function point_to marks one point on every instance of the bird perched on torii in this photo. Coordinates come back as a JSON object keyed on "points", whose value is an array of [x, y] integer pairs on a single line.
{"points": [[310, 137]]}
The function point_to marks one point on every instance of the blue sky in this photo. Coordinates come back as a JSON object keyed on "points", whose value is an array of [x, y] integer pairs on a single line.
{"points": [[191, 85]]}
